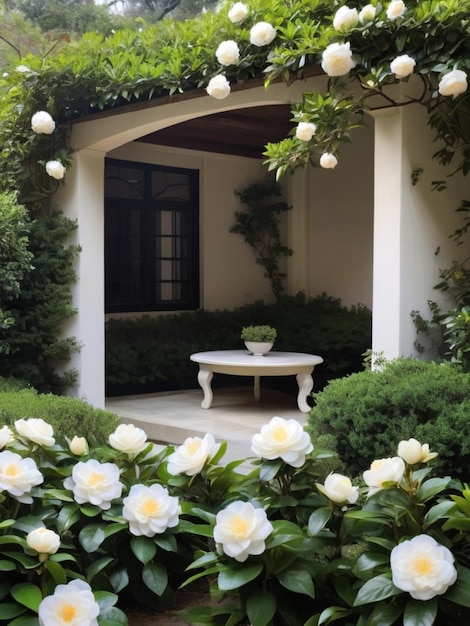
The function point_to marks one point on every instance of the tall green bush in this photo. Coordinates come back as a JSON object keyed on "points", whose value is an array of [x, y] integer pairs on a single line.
{"points": [[364, 415]]}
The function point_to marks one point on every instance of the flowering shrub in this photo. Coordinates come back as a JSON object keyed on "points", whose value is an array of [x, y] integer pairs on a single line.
{"points": [[286, 544]]}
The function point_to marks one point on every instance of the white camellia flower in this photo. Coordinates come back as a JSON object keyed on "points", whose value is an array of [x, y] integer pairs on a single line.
{"points": [[396, 9], [382, 471], [94, 482], [18, 476], [42, 123], [422, 567], [345, 18], [282, 439], [37, 430], [241, 530], [413, 452], [150, 510], [72, 604], [128, 438], [5, 436], [402, 66], [305, 131], [228, 52], [192, 455], [367, 13], [55, 169], [339, 489], [262, 34], [44, 541], [78, 446], [337, 59], [238, 12], [453, 83], [328, 161], [218, 87]]}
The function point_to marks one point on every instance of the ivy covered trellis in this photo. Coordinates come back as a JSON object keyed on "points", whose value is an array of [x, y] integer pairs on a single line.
{"points": [[363, 50]]}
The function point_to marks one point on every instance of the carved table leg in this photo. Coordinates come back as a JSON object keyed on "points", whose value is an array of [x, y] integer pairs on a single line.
{"points": [[305, 382], [256, 388], [204, 378]]}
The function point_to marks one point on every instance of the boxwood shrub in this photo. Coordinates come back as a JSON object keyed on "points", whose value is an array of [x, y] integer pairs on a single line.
{"points": [[154, 352], [68, 416], [363, 416]]}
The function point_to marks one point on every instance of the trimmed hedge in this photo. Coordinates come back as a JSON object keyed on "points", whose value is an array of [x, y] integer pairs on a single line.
{"points": [[365, 415], [155, 351], [68, 416]]}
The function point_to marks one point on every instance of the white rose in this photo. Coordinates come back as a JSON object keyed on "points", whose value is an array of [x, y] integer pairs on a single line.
{"points": [[367, 13], [402, 66], [37, 430], [128, 438], [345, 18], [73, 604], [218, 87], [453, 83], [42, 122], [422, 567], [284, 439], [337, 59], [192, 455], [262, 34], [55, 169], [43, 540], [305, 131], [18, 476], [339, 489], [395, 9], [78, 446], [150, 510], [5, 436], [238, 12], [382, 471], [413, 452], [94, 482], [241, 530], [228, 52], [328, 161]]}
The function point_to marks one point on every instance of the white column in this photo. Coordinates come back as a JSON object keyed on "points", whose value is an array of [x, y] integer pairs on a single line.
{"points": [[298, 226], [82, 200]]}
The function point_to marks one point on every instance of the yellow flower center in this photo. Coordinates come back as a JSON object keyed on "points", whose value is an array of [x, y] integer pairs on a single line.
{"points": [[12, 470], [193, 447], [150, 507], [422, 566], [280, 434], [67, 613], [240, 526], [96, 479]]}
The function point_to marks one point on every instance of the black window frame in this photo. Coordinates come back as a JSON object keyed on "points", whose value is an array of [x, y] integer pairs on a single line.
{"points": [[149, 262]]}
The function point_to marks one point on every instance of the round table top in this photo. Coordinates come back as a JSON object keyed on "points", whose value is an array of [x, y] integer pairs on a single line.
{"points": [[245, 358]]}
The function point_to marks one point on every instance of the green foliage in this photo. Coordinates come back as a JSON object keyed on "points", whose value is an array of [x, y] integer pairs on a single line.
{"points": [[259, 333], [259, 226], [35, 347], [362, 415], [148, 349], [68, 416]]}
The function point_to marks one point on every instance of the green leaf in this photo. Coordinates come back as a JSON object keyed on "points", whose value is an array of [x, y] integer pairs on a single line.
{"points": [[155, 577], [24, 621], [419, 613], [269, 469], [260, 607], [98, 566], [232, 578], [318, 520], [27, 594], [7, 566], [166, 542], [430, 488], [333, 613], [68, 516], [112, 616], [298, 581], [376, 589], [119, 579], [437, 512], [365, 564], [384, 614], [57, 572], [91, 537], [459, 593], [8, 610], [143, 548]]}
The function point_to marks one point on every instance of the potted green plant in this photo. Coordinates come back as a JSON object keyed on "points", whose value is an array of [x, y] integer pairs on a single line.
{"points": [[259, 339]]}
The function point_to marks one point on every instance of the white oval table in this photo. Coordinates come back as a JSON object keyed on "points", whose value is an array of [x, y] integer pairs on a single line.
{"points": [[243, 363]]}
